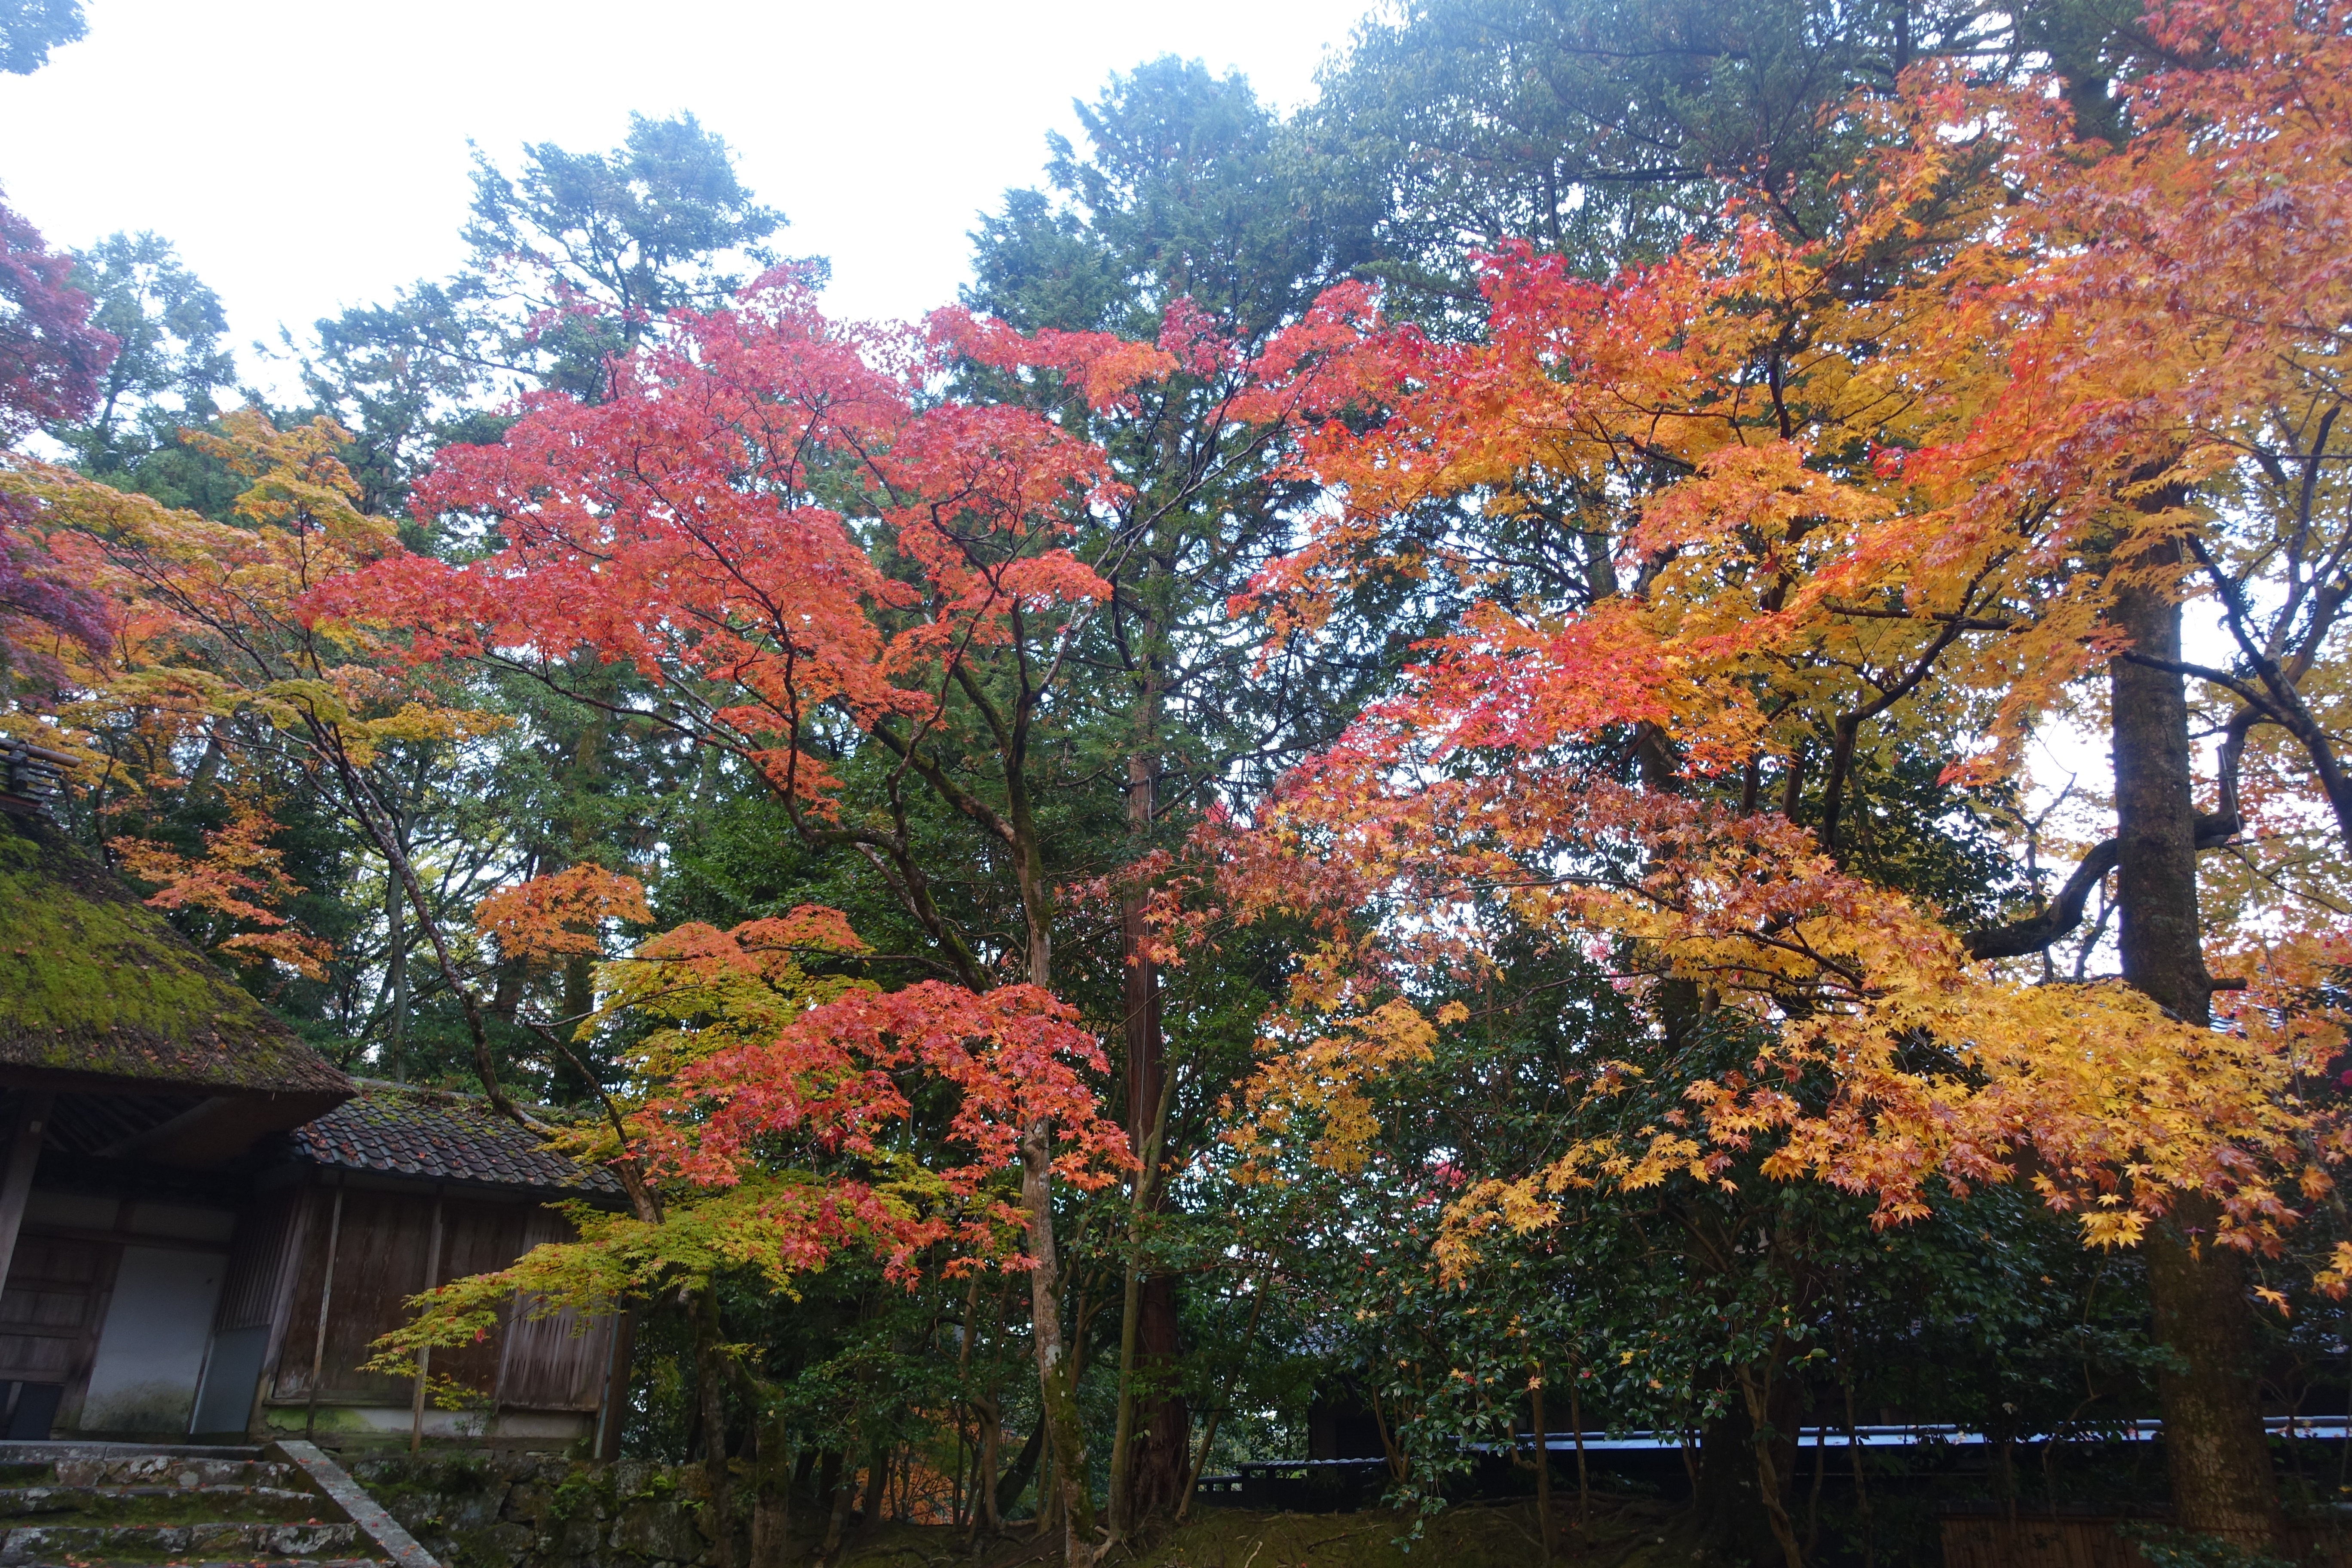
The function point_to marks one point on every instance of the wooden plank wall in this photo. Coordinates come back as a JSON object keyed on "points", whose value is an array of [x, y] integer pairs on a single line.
{"points": [[56, 1298], [266, 1236], [385, 1241], [380, 1257], [551, 1363], [476, 1238]]}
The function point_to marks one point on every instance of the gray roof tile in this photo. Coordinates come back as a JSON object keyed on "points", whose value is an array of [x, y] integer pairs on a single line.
{"points": [[445, 1137]]}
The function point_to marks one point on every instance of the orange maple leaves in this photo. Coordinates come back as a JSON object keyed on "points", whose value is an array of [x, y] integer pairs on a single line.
{"points": [[757, 1068], [561, 915], [1014, 1055], [210, 652], [237, 876], [1822, 485]]}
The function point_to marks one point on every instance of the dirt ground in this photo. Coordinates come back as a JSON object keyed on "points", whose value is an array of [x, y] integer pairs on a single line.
{"points": [[1621, 1534]]}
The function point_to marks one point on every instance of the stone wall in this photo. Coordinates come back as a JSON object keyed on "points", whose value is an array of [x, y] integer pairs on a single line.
{"points": [[537, 1511]]}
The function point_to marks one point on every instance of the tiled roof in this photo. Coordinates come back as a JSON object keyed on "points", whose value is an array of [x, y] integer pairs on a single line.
{"points": [[442, 1137]]}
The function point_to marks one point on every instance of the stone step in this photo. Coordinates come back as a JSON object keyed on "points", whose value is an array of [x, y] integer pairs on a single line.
{"points": [[13, 1454], [124, 1505], [171, 1470], [246, 1541], [223, 1563], [163, 1504]]}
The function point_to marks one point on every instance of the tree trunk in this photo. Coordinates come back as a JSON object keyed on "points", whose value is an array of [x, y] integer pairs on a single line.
{"points": [[1543, 1461], [1157, 1466], [1146, 1075], [878, 1486], [1160, 1466], [1738, 1492], [771, 1501], [1146, 1053], [1576, 1423], [1145, 1475], [711, 1377], [1122, 1495], [580, 776], [1771, 1403], [2214, 1451], [1058, 1397], [395, 958], [1066, 1493], [839, 1493], [986, 1514], [1725, 1505], [1016, 1480]]}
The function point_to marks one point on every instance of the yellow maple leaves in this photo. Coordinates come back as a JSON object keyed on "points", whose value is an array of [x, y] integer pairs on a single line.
{"points": [[1839, 493]]}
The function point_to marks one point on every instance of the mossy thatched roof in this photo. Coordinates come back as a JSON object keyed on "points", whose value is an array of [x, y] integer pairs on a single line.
{"points": [[95, 983]]}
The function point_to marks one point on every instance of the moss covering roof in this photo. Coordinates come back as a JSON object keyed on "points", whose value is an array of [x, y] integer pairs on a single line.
{"points": [[92, 982]]}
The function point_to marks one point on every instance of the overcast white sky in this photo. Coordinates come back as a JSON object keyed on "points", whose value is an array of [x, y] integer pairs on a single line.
{"points": [[306, 155]]}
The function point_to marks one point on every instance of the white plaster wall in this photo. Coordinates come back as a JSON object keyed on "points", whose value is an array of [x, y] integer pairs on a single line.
{"points": [[151, 1351]]}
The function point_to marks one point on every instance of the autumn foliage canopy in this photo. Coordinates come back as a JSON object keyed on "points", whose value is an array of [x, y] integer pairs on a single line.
{"points": [[1170, 768], [1907, 467]]}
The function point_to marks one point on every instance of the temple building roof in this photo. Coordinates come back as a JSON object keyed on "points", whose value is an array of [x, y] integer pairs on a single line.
{"points": [[94, 985], [394, 1130]]}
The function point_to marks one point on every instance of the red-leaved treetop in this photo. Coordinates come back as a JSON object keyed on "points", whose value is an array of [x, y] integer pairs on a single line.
{"points": [[697, 526], [776, 520], [50, 356], [50, 359]]}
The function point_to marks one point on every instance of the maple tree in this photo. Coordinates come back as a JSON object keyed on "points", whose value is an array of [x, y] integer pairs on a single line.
{"points": [[765, 519], [810, 716], [694, 525], [203, 628], [50, 359], [212, 661], [1855, 479], [50, 354], [765, 1126], [40, 606], [158, 563], [218, 655]]}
